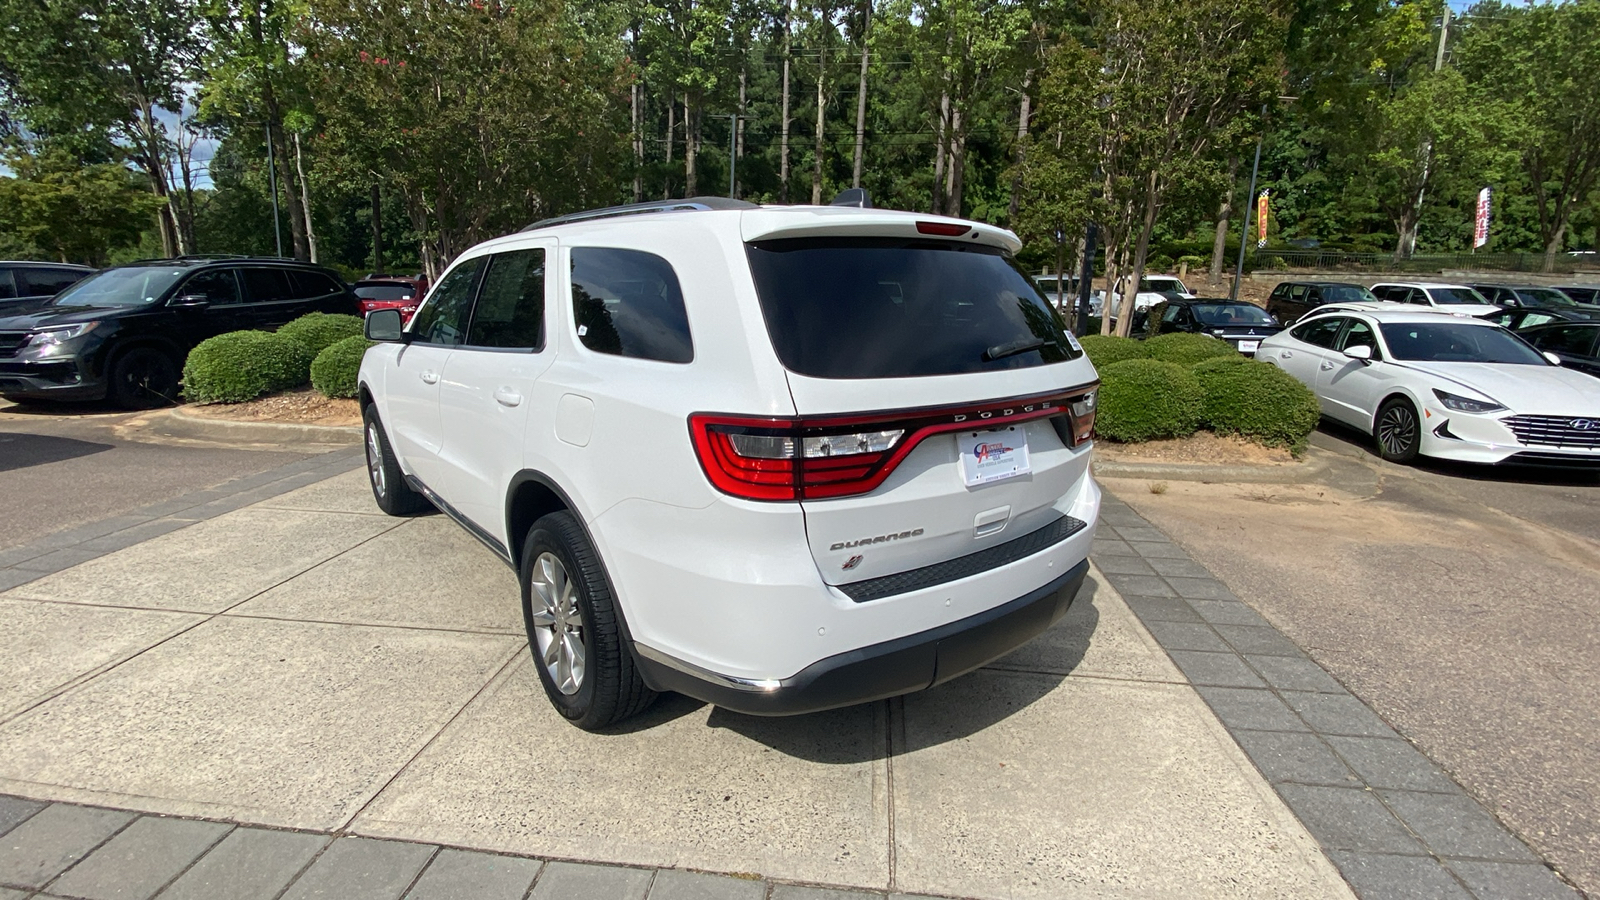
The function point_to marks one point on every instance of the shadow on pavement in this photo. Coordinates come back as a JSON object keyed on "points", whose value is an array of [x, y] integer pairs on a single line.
{"points": [[60, 409], [1359, 443], [20, 451]]}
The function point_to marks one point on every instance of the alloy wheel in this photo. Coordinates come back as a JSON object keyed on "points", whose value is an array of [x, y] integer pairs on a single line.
{"points": [[557, 623], [375, 460], [1397, 429]]}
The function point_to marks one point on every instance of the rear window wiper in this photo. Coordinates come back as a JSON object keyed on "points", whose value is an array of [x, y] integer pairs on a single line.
{"points": [[1012, 348]]}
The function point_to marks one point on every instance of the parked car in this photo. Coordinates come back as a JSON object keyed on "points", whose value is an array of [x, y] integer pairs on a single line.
{"points": [[1574, 343], [778, 459], [1533, 296], [124, 332], [1239, 323], [1291, 301], [1581, 293], [1518, 319], [1446, 297], [1153, 289], [391, 292], [25, 285], [1453, 387]]}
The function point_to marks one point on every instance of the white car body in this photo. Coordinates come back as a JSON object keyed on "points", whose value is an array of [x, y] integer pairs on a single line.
{"points": [[1530, 412], [1437, 295], [740, 601], [1154, 289]]}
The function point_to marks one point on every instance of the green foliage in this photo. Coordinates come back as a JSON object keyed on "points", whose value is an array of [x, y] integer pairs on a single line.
{"points": [[334, 371], [57, 208], [1186, 349], [1105, 350], [317, 331], [243, 365], [1146, 399], [1257, 400]]}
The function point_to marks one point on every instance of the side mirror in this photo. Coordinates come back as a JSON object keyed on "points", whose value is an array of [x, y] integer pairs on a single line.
{"points": [[384, 325], [1554, 359], [191, 301], [1362, 352]]}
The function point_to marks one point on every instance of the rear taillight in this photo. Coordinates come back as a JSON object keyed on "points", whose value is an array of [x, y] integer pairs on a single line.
{"points": [[840, 456]]}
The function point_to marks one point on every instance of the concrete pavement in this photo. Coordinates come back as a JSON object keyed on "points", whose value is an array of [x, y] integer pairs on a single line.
{"points": [[305, 663]]}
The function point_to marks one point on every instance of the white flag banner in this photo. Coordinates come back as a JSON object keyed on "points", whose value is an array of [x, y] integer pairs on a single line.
{"points": [[1480, 228]]}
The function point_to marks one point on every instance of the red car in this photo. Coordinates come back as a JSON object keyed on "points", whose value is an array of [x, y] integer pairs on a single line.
{"points": [[391, 292]]}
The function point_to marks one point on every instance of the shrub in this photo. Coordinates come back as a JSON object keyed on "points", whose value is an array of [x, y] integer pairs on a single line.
{"points": [[1144, 399], [1106, 350], [243, 365], [333, 372], [1257, 400], [320, 330], [1186, 349]]}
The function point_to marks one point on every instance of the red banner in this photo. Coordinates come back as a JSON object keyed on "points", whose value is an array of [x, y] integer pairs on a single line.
{"points": [[1261, 220], [1480, 229]]}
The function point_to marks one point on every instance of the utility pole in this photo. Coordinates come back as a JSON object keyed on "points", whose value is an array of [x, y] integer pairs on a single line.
{"points": [[1086, 275], [1249, 206], [733, 153], [1444, 32], [272, 180]]}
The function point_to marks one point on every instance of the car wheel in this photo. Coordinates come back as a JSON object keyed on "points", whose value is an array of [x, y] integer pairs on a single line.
{"points": [[389, 487], [144, 378], [1399, 431], [574, 631]]}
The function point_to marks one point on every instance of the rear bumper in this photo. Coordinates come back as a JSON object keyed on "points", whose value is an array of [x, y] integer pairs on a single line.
{"points": [[901, 666]]}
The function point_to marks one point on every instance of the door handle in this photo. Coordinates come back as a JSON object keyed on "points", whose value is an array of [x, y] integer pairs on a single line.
{"points": [[429, 376], [507, 397], [1327, 366]]}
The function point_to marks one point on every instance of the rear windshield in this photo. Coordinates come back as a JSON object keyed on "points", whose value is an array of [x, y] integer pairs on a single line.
{"points": [[383, 291], [1347, 293], [898, 308], [1448, 295], [1222, 314]]}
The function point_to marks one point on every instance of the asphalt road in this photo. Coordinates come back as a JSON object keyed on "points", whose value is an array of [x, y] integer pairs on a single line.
{"points": [[1462, 603], [62, 466]]}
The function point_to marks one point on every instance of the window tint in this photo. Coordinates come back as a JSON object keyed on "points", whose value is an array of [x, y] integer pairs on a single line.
{"points": [[313, 284], [266, 285], [510, 310], [443, 318], [1231, 314], [1577, 340], [895, 308], [628, 303], [7, 290], [1320, 332], [1359, 334], [47, 282], [218, 285], [1297, 293]]}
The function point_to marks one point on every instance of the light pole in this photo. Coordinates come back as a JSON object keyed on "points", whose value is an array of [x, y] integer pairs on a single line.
{"points": [[272, 179], [1249, 205], [733, 151]]}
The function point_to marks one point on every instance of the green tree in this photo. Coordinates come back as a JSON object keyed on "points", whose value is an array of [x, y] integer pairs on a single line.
{"points": [[56, 207]]}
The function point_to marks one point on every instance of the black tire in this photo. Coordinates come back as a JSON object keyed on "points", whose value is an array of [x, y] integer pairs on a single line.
{"points": [[389, 487], [609, 688], [1398, 431], [144, 378]]}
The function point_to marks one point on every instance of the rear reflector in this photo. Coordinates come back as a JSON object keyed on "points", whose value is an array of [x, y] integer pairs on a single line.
{"points": [[943, 229], [840, 456]]}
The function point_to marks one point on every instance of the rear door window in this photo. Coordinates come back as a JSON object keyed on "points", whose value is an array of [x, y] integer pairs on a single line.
{"points": [[510, 310], [310, 285], [628, 303], [1577, 340], [219, 286], [897, 308], [266, 285]]}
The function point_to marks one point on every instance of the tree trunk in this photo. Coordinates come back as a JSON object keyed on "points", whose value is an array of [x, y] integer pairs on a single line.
{"points": [[861, 94], [783, 153], [939, 146], [816, 165], [638, 147], [151, 158], [672, 111], [280, 149], [691, 146], [305, 198], [957, 169], [1141, 249], [738, 130], [1557, 242], [377, 232], [1022, 146], [1219, 244]]}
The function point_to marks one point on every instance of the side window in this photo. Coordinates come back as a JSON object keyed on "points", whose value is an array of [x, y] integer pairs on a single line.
{"points": [[510, 310], [43, 282], [218, 285], [1320, 332], [1314, 297], [307, 285], [1389, 294], [1359, 334], [7, 289], [1535, 318], [266, 285], [443, 319], [1577, 340], [628, 303], [1170, 313], [1419, 297]]}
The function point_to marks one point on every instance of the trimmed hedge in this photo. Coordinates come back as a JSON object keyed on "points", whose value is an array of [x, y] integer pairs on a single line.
{"points": [[1145, 399], [1106, 350], [334, 371], [1257, 400], [1186, 349], [243, 365], [318, 331]]}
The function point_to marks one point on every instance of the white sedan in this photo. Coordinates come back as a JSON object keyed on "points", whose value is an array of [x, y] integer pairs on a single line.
{"points": [[1446, 386]]}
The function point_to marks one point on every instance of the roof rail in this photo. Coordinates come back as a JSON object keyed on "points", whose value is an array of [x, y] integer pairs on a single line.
{"points": [[653, 206]]}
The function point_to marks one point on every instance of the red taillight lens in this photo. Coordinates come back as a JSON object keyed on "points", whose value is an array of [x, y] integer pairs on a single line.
{"points": [[841, 456], [943, 229]]}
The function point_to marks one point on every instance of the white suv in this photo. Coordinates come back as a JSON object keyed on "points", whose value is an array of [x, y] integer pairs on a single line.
{"points": [[778, 459]]}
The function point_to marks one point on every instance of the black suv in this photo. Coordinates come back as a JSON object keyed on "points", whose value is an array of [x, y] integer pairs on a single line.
{"points": [[1292, 300], [124, 332], [1238, 322], [1533, 296], [25, 285]]}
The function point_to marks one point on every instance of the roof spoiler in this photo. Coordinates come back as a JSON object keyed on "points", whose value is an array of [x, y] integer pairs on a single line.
{"points": [[856, 197]]}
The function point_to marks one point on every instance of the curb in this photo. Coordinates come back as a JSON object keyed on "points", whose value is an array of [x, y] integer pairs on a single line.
{"points": [[1314, 465], [179, 424]]}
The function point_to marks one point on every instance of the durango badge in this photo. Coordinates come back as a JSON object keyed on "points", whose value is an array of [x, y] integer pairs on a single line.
{"points": [[880, 539]]}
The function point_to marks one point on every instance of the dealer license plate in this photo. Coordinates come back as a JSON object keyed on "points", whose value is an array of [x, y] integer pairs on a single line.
{"points": [[988, 456], [1249, 346]]}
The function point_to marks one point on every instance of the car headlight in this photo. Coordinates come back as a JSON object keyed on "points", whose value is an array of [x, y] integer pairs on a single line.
{"points": [[51, 337], [1466, 404]]}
